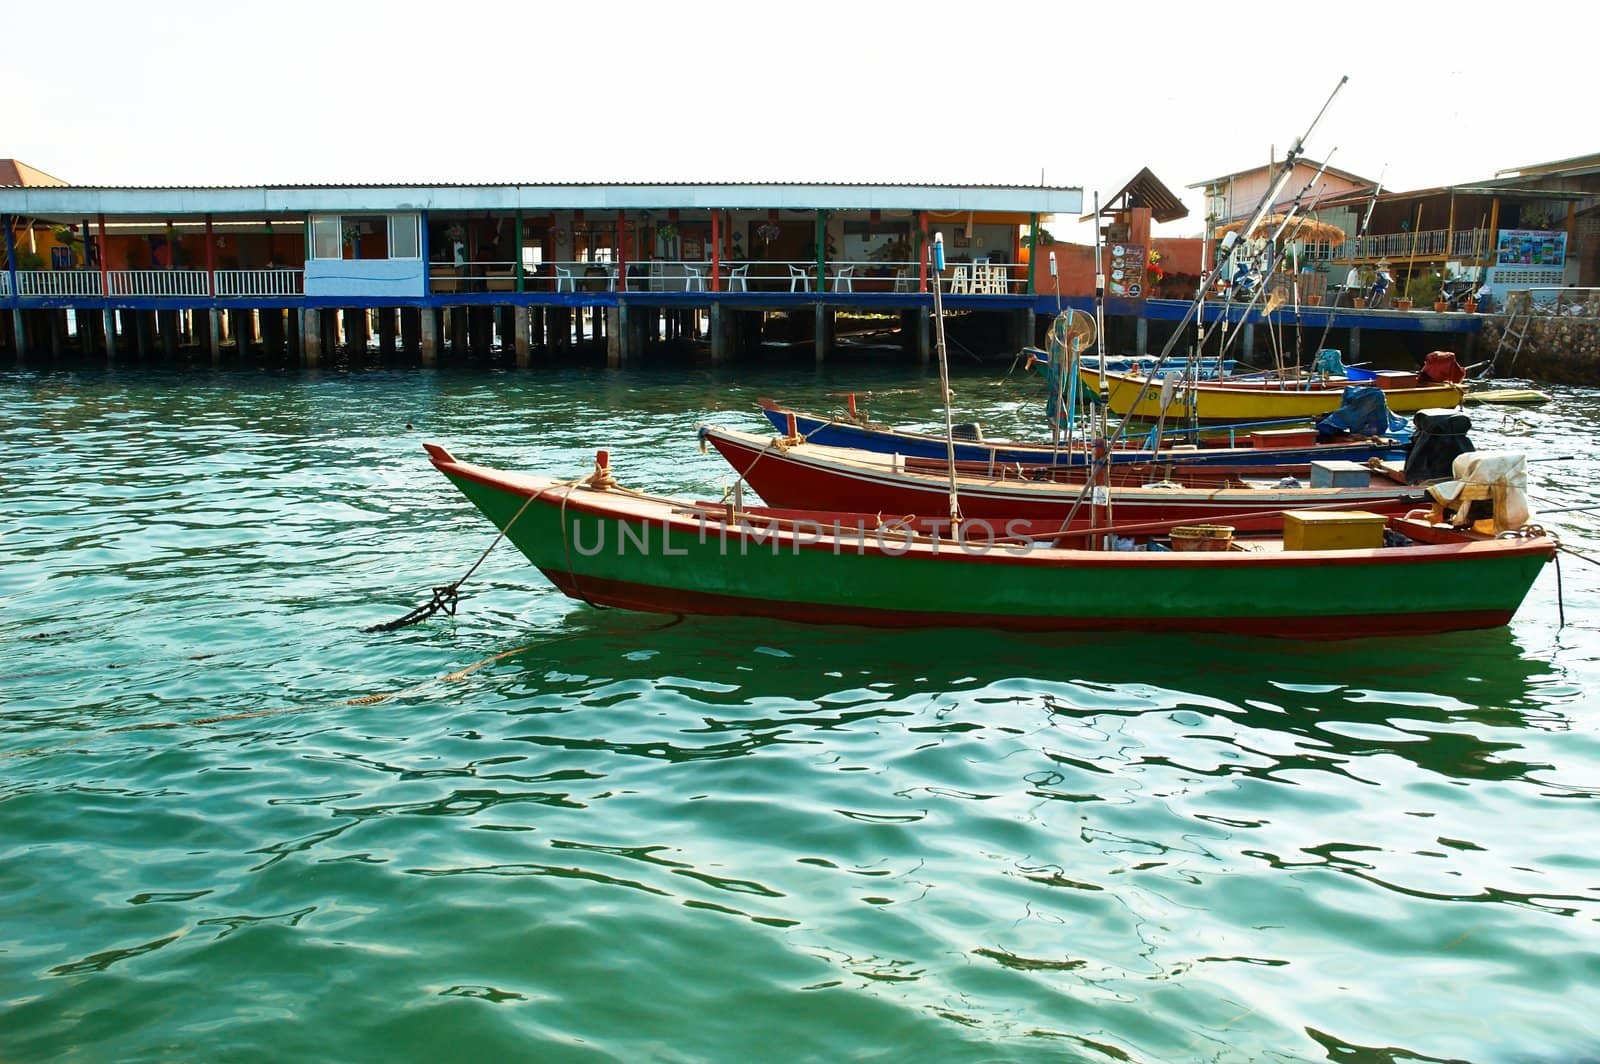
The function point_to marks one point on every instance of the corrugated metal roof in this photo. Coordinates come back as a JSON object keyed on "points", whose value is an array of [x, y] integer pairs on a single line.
{"points": [[1303, 160], [313, 186]]}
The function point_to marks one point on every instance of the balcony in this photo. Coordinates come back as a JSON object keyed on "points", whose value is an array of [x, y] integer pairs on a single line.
{"points": [[1470, 245]]}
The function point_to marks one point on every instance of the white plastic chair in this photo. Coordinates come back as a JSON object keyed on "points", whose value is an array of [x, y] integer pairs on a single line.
{"points": [[841, 280], [564, 277], [738, 278], [693, 279], [799, 280], [959, 280]]}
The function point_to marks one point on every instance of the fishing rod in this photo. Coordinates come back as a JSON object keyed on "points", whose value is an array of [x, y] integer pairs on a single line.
{"points": [[1288, 216], [1361, 234], [1225, 252], [1193, 369]]}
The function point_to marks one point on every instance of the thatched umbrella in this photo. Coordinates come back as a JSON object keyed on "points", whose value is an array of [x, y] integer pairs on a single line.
{"points": [[1301, 228]]}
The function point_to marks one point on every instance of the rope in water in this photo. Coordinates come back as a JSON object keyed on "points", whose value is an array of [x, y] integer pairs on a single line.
{"points": [[446, 596]]}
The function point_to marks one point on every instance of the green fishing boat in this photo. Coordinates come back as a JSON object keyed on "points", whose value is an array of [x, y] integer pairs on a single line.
{"points": [[610, 546]]}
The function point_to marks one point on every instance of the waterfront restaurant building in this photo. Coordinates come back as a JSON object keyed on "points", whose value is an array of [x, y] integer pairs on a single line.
{"points": [[297, 269]]}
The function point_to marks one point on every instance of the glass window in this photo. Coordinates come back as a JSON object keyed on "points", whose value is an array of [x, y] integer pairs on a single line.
{"points": [[403, 240], [326, 242]]}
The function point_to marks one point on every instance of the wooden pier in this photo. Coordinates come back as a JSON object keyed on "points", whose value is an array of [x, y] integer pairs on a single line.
{"points": [[310, 275]]}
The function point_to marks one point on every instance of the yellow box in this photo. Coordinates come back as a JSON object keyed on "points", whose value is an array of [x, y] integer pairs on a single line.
{"points": [[1332, 530]]}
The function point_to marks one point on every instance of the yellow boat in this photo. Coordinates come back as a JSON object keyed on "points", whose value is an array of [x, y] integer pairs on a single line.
{"points": [[1255, 399]]}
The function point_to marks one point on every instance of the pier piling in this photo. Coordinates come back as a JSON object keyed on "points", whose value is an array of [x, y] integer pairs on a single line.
{"points": [[428, 336]]}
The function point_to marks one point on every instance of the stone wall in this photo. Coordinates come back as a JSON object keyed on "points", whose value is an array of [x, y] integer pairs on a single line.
{"points": [[1563, 347]]}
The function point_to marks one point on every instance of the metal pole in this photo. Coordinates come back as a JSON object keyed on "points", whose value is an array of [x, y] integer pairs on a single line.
{"points": [[937, 252]]}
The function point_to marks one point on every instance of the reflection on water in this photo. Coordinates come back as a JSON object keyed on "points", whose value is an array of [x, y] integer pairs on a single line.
{"points": [[626, 837]]}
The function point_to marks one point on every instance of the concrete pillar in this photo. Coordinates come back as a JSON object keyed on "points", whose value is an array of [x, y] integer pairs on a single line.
{"points": [[428, 338], [58, 325], [108, 322], [519, 334], [1141, 335], [719, 336], [19, 334], [311, 331], [1247, 342], [458, 333], [1355, 345], [386, 332], [214, 335], [167, 324], [925, 335], [293, 331], [820, 332], [410, 330], [619, 344], [143, 332]]}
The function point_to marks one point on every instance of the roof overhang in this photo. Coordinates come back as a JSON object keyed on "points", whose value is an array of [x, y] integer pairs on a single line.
{"points": [[1144, 189], [79, 201]]}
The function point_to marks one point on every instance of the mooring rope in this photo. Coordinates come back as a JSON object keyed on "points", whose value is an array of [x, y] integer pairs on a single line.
{"points": [[446, 596]]}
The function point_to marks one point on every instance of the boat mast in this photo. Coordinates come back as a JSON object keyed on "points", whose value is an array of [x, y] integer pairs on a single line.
{"points": [[937, 253], [1101, 493]]}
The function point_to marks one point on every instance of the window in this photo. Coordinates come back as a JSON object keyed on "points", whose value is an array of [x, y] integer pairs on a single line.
{"points": [[325, 239], [403, 240]]}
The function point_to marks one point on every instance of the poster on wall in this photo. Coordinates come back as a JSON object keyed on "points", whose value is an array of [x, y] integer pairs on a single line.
{"points": [[1531, 247], [1125, 271]]}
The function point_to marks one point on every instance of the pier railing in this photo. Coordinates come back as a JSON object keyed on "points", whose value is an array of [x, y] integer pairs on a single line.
{"points": [[173, 283], [236, 284], [1470, 244], [736, 275], [47, 283]]}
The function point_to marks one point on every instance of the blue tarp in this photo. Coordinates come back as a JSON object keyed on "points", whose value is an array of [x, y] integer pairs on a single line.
{"points": [[1364, 411]]}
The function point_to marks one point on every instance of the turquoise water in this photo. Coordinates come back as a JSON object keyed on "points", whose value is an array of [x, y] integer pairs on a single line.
{"points": [[622, 838]]}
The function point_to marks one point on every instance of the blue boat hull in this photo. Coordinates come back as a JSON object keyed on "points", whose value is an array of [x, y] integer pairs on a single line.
{"points": [[916, 445]]}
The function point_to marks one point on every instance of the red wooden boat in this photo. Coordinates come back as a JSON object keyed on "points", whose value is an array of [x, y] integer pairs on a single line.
{"points": [[789, 472]]}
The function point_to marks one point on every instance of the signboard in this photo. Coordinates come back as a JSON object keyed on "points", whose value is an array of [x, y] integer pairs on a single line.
{"points": [[1531, 247], [1126, 272]]}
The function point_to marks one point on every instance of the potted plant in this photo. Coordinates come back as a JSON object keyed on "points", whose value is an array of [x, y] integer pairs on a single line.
{"points": [[1366, 275], [1424, 288]]}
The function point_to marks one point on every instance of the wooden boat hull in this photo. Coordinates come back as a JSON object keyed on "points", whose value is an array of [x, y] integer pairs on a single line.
{"points": [[622, 549], [1256, 400], [835, 433], [825, 478]]}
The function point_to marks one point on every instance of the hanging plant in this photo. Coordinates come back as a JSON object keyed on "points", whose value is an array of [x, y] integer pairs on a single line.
{"points": [[666, 231], [768, 232], [455, 232]]}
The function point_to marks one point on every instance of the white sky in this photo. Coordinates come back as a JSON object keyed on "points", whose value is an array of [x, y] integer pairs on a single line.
{"points": [[250, 92]]}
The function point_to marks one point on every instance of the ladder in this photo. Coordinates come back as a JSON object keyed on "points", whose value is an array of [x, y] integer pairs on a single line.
{"points": [[1519, 316]]}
